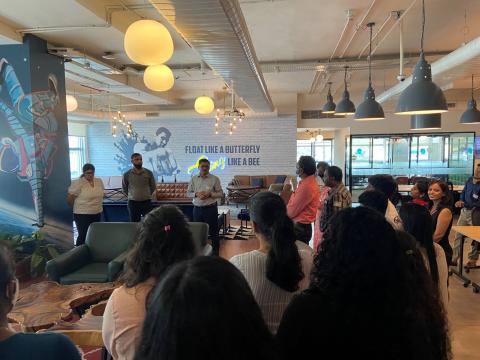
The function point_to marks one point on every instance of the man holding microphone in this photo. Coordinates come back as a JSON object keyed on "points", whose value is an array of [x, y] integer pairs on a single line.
{"points": [[205, 190]]}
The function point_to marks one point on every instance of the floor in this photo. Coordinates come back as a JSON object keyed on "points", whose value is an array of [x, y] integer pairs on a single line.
{"points": [[463, 311]]}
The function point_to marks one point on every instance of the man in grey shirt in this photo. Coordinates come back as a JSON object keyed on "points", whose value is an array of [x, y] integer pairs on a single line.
{"points": [[138, 184], [205, 189]]}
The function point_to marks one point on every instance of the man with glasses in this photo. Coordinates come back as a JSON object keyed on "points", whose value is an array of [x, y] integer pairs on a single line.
{"points": [[205, 190]]}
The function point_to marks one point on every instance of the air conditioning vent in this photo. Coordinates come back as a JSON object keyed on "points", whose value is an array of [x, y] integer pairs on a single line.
{"points": [[451, 105], [152, 114], [317, 114]]}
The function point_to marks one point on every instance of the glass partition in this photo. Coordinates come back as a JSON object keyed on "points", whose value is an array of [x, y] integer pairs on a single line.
{"points": [[447, 156]]}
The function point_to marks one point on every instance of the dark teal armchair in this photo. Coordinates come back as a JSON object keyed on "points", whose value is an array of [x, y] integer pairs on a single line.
{"points": [[100, 260]]}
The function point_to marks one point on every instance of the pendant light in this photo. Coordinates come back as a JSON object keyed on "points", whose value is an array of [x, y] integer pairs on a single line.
{"points": [[426, 122], [422, 96], [329, 107], [369, 109], [345, 106], [471, 115]]}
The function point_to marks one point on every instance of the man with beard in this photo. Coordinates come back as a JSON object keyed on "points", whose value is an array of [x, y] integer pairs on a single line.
{"points": [[138, 184]]}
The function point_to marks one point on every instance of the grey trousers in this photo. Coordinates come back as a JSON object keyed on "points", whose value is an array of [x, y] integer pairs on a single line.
{"points": [[465, 219]]}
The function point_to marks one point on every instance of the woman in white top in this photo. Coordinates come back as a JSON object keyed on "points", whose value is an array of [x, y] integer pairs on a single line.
{"points": [[418, 223], [86, 196], [279, 268]]}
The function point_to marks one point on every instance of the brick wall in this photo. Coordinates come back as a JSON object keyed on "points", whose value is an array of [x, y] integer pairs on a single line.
{"points": [[275, 136]]}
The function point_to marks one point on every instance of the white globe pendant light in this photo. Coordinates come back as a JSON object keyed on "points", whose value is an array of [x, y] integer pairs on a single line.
{"points": [[204, 105], [148, 42], [72, 103], [158, 78]]}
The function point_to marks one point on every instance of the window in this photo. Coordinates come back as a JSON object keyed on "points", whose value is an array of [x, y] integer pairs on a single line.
{"points": [[319, 150], [77, 155]]}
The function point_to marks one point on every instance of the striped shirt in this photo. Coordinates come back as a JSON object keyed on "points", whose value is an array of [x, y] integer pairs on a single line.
{"points": [[272, 299]]}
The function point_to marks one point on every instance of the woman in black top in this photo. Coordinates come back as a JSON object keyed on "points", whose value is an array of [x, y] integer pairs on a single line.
{"points": [[442, 216], [370, 297]]}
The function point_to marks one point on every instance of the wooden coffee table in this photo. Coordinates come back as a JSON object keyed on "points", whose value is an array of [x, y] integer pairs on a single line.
{"points": [[43, 305]]}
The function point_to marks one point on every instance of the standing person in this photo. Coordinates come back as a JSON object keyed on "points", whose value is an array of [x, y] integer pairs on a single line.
{"points": [[303, 204], [419, 193], [417, 222], [441, 211], [205, 189], [138, 184], [322, 166], [25, 346], [280, 267], [164, 239], [85, 195], [387, 185], [204, 310], [469, 200], [370, 297], [338, 197]]}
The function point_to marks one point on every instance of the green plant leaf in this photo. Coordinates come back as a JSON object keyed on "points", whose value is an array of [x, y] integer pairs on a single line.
{"points": [[52, 251]]}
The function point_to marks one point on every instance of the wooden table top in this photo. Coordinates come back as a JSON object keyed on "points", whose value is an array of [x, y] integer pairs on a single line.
{"points": [[42, 305], [472, 232]]}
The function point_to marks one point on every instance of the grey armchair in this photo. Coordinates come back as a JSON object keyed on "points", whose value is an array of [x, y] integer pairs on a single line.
{"points": [[199, 232], [101, 259]]}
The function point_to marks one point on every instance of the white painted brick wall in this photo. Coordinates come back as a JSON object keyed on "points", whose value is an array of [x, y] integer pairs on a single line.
{"points": [[276, 137]]}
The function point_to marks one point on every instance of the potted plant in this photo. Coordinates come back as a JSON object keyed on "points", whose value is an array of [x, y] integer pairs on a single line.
{"points": [[32, 250]]}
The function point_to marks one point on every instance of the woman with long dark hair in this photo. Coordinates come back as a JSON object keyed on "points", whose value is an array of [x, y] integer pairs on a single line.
{"points": [[164, 240], [203, 309], [85, 195], [370, 297], [442, 216], [280, 267], [418, 223]]}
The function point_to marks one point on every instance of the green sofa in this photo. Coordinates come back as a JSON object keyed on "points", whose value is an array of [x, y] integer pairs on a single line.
{"points": [[100, 260]]}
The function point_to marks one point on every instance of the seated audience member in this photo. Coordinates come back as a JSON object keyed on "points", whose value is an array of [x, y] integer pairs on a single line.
{"points": [[303, 204], [418, 223], [338, 197], [203, 309], [387, 185], [419, 193], [21, 346], [164, 240], [442, 216], [370, 297], [281, 266], [375, 200]]}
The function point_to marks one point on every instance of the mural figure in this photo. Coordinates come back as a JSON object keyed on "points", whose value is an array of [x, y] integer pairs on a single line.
{"points": [[156, 155], [29, 153]]}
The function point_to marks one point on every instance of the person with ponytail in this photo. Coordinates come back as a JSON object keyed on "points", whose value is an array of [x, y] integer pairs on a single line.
{"points": [[280, 267], [418, 223], [164, 239]]}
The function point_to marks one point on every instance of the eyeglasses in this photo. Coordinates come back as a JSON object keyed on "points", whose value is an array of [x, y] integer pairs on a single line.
{"points": [[88, 173]]}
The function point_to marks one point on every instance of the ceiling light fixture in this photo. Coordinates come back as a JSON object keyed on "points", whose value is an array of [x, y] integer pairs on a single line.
{"points": [[148, 42], [230, 117], [72, 103], [204, 105], [345, 106], [426, 122], [422, 96], [471, 115], [329, 107], [158, 78], [369, 109]]}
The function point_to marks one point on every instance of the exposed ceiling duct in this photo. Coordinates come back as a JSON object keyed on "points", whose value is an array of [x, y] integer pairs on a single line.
{"points": [[458, 64], [216, 29]]}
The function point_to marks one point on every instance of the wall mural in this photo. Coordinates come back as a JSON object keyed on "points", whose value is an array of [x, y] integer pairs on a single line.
{"points": [[34, 162], [155, 153]]}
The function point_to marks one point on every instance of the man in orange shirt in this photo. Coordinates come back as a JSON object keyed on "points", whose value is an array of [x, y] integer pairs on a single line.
{"points": [[303, 204]]}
